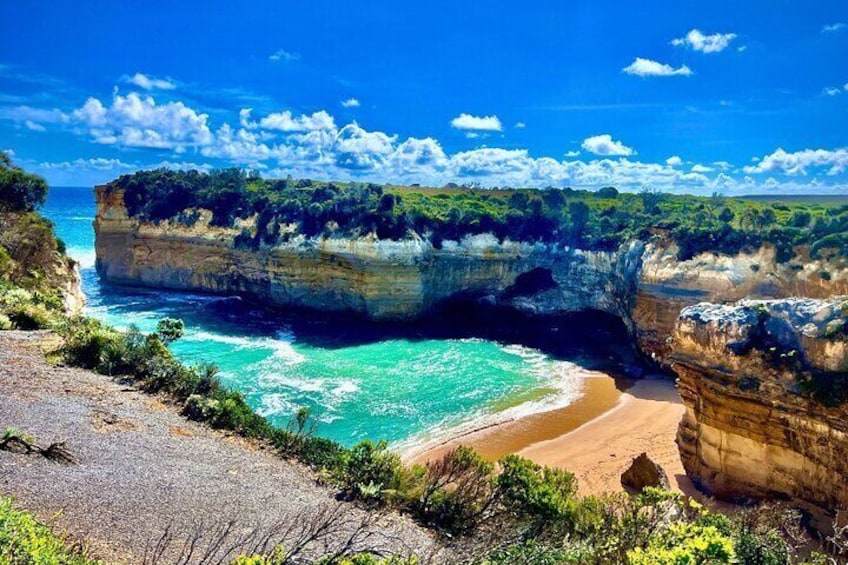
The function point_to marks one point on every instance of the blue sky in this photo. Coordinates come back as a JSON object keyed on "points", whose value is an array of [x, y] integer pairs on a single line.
{"points": [[687, 96]]}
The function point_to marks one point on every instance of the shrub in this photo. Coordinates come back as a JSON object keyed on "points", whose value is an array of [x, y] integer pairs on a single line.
{"points": [[457, 491], [540, 494], [369, 471], [684, 543], [24, 540]]}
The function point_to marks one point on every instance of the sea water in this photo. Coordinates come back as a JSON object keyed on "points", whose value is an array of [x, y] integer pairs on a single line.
{"points": [[358, 380]]}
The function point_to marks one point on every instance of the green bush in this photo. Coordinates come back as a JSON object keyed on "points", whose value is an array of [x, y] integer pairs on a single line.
{"points": [[543, 495], [369, 471], [24, 540]]}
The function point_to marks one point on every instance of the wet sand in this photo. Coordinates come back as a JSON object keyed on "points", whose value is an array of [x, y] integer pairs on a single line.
{"points": [[595, 438]]}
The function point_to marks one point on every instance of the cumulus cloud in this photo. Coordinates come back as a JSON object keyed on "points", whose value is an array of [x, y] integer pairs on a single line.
{"points": [[479, 123], [350, 103], [283, 55], [830, 28], [136, 121], [286, 121], [520, 125], [698, 41], [799, 162], [150, 83], [648, 68], [312, 145], [831, 91], [605, 145]]}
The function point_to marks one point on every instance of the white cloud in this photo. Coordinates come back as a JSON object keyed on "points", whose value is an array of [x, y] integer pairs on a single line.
{"points": [[134, 121], [285, 121], [34, 126], [520, 125], [831, 91], [480, 123], [283, 55], [648, 68], [742, 48], [313, 146], [350, 103], [359, 149], [797, 163], [604, 145], [833, 27], [150, 83], [696, 40]]}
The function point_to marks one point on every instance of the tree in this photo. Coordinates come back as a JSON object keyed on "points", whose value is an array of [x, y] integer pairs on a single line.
{"points": [[726, 215], [19, 191], [651, 199], [607, 192], [170, 329]]}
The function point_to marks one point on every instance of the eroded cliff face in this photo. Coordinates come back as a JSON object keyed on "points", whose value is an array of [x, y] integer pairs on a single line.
{"points": [[382, 280], [642, 283], [761, 382]]}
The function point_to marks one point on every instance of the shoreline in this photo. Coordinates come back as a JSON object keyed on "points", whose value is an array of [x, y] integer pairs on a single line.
{"points": [[596, 437]]}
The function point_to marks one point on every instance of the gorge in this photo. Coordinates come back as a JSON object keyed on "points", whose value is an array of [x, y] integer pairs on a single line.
{"points": [[785, 432]]}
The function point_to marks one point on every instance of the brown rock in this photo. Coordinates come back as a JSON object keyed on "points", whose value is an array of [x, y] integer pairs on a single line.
{"points": [[643, 473]]}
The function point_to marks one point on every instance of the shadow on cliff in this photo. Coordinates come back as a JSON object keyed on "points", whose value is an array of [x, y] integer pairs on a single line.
{"points": [[593, 339]]}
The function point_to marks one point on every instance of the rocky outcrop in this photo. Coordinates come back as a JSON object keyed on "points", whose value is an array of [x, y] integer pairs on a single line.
{"points": [[764, 384]]}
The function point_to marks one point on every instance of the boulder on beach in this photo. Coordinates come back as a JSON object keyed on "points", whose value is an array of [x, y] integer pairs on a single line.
{"points": [[643, 473]]}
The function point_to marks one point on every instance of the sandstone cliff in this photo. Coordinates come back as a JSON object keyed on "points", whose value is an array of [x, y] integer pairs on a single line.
{"points": [[764, 385], [643, 283]]}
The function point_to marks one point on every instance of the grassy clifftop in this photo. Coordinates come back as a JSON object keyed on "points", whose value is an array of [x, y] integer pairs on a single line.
{"points": [[600, 220]]}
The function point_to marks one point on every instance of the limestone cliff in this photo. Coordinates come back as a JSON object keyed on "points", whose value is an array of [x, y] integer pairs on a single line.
{"points": [[643, 283], [377, 278], [763, 384]]}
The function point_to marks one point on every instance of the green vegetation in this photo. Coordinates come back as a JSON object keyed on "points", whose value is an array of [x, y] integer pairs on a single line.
{"points": [[601, 220], [25, 541], [32, 261]]}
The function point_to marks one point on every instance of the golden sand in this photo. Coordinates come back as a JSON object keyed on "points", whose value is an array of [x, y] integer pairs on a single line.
{"points": [[596, 437]]}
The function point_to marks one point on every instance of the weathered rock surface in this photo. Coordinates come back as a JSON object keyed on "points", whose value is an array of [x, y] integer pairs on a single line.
{"points": [[761, 417], [643, 473], [643, 283]]}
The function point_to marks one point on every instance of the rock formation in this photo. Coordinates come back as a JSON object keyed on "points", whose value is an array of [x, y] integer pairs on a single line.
{"points": [[643, 473], [764, 384]]}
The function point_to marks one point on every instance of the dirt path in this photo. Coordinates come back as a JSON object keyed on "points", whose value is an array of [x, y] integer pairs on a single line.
{"points": [[146, 474]]}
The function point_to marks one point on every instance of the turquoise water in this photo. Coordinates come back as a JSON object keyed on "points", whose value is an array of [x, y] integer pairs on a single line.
{"points": [[359, 380]]}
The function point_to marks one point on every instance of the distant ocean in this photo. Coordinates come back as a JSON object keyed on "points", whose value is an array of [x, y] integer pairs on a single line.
{"points": [[358, 380]]}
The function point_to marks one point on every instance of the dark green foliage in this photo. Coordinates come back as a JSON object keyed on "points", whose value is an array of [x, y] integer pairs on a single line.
{"points": [[540, 494], [19, 191], [170, 329], [601, 220]]}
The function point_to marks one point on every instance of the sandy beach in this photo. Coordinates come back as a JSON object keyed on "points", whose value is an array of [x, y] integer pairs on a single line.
{"points": [[595, 438]]}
